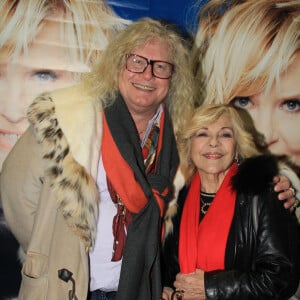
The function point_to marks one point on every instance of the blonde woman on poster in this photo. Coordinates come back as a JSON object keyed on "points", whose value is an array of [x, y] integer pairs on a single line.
{"points": [[44, 45], [250, 56]]}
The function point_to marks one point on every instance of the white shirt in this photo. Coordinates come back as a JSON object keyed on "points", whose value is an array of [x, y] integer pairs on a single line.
{"points": [[105, 273]]}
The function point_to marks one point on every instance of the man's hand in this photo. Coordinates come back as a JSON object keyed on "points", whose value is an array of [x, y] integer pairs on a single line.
{"points": [[191, 284], [286, 192]]}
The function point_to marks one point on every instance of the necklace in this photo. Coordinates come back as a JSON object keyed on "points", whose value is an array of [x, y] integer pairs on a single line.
{"points": [[206, 200]]}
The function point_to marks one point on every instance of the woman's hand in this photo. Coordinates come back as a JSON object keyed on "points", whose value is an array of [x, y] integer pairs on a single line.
{"points": [[192, 284], [167, 293], [286, 192]]}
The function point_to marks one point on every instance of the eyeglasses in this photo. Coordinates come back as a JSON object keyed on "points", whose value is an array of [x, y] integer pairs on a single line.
{"points": [[138, 64]]}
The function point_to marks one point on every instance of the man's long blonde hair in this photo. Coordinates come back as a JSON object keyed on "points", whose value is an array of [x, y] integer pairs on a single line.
{"points": [[102, 82]]}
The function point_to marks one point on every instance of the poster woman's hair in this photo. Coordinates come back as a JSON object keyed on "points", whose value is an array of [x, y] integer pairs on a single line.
{"points": [[244, 46], [85, 26]]}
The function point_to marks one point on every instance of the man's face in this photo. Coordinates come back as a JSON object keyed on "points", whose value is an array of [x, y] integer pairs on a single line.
{"points": [[143, 91]]}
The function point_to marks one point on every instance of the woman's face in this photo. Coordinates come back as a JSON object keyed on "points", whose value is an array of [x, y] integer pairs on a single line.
{"points": [[277, 114], [213, 148], [45, 67]]}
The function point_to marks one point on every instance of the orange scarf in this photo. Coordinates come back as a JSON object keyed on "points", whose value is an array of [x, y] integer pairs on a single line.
{"points": [[135, 188], [121, 174], [202, 246]]}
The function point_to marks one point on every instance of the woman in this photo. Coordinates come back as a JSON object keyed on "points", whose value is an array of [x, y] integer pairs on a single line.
{"points": [[248, 54], [99, 156], [223, 253], [44, 46]]}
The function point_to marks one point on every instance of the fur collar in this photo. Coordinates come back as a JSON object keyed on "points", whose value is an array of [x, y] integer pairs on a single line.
{"points": [[74, 188], [255, 174]]}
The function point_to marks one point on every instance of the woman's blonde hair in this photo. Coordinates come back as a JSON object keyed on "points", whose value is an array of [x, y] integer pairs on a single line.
{"points": [[103, 80], [242, 49], [85, 26], [248, 141]]}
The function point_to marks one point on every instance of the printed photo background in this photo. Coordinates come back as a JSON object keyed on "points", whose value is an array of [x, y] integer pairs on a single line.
{"points": [[43, 52], [45, 49]]}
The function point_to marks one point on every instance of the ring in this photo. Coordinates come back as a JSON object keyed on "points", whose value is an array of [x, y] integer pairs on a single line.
{"points": [[297, 201], [177, 294], [292, 190]]}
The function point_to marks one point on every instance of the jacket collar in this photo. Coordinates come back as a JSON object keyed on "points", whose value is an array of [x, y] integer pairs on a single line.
{"points": [[255, 174], [69, 166]]}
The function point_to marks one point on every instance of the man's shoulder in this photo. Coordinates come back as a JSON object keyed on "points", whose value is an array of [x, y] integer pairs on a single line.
{"points": [[70, 102], [70, 96]]}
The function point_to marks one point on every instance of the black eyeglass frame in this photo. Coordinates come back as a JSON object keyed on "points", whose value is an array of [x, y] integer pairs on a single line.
{"points": [[149, 62]]}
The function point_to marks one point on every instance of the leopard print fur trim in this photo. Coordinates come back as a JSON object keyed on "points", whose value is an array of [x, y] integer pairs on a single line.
{"points": [[75, 190]]}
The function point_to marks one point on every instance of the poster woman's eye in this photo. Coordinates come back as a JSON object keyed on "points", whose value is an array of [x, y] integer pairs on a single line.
{"points": [[45, 75], [241, 102], [291, 105]]}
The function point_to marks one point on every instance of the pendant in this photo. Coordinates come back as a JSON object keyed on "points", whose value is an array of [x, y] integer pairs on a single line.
{"points": [[204, 207]]}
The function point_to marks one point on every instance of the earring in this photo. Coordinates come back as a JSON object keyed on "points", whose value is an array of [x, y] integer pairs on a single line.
{"points": [[237, 160]]}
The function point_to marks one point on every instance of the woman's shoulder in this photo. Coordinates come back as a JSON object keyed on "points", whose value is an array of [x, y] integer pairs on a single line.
{"points": [[255, 174]]}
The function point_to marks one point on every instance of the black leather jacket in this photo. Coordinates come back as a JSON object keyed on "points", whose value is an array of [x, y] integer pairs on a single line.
{"points": [[259, 264]]}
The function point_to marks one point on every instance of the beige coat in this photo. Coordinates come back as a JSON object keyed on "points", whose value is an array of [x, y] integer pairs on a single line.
{"points": [[47, 196]]}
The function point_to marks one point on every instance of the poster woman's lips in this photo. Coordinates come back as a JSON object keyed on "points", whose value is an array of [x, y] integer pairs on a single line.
{"points": [[8, 139]]}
